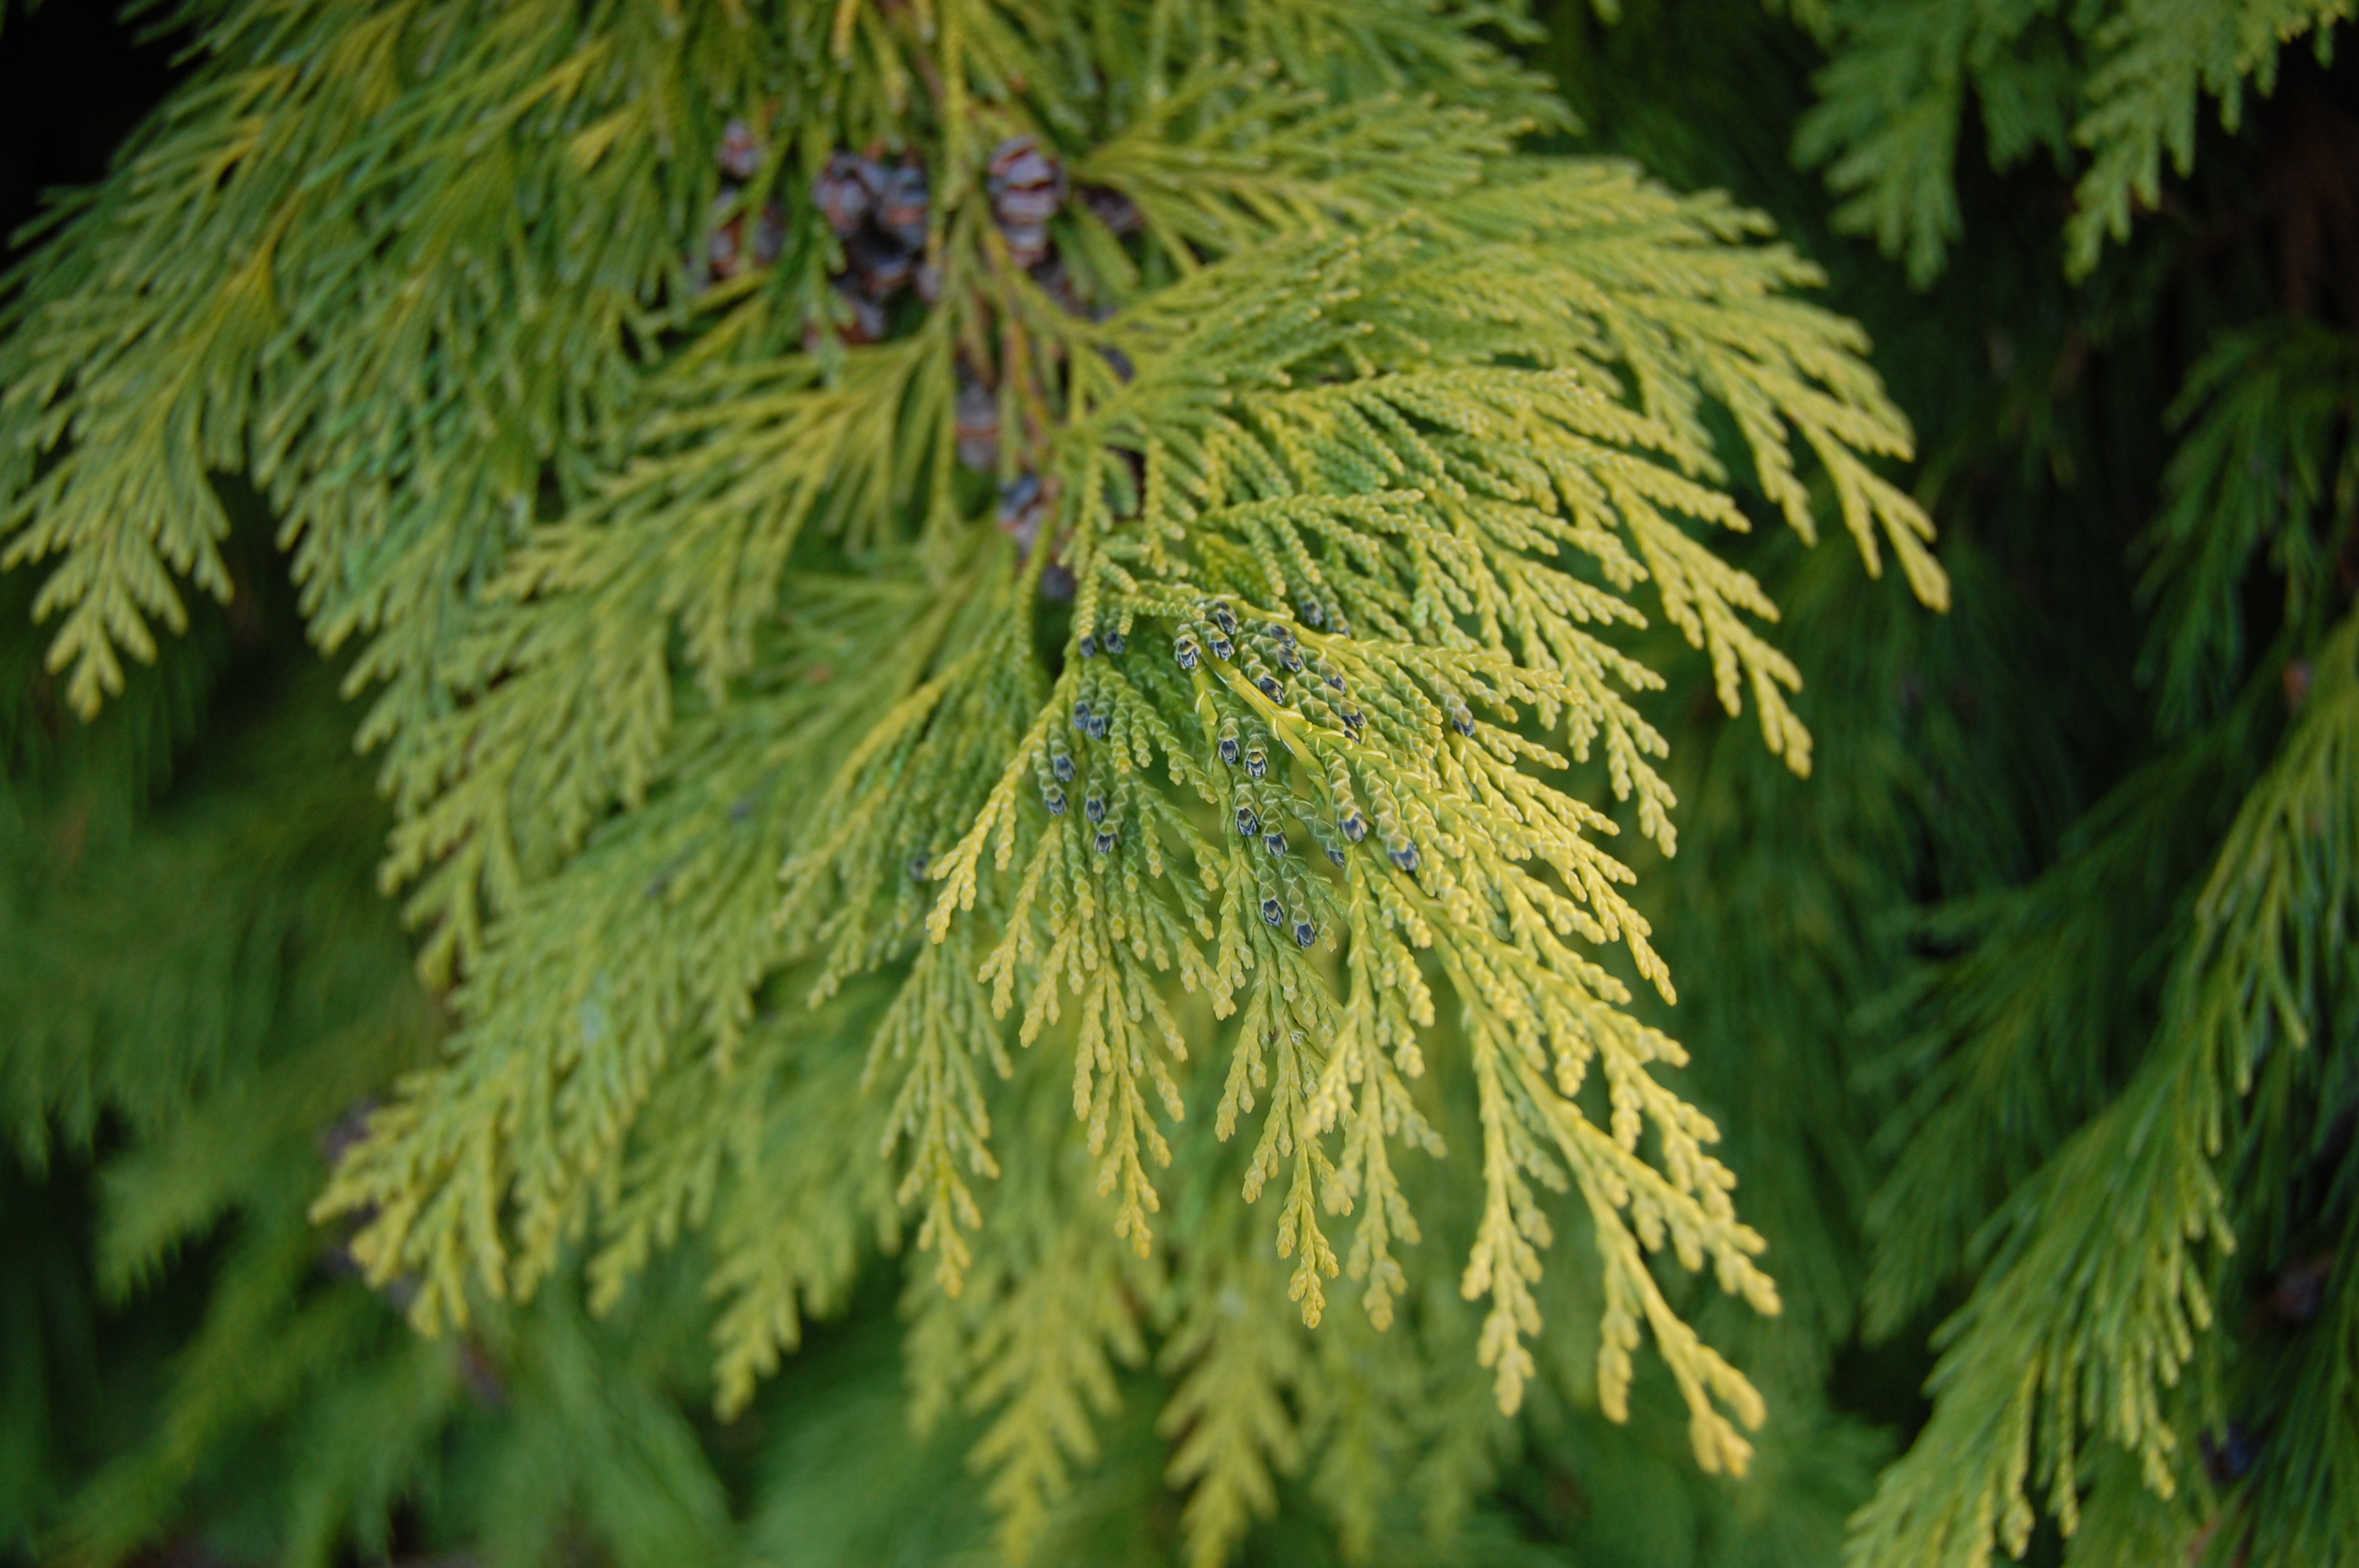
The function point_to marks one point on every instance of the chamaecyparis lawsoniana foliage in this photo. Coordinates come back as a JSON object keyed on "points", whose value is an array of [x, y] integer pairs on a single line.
{"points": [[793, 537], [2104, 88], [2129, 1118], [1349, 460]]}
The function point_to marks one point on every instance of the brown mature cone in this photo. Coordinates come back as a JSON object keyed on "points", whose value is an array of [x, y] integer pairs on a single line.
{"points": [[1023, 510], [878, 265], [740, 151], [1027, 243], [976, 420], [846, 191], [725, 246], [770, 234], [1027, 187], [1056, 281], [866, 326], [1115, 211], [903, 206]]}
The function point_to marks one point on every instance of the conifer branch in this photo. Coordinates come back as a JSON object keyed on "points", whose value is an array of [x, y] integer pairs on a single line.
{"points": [[2090, 1310], [703, 436]]}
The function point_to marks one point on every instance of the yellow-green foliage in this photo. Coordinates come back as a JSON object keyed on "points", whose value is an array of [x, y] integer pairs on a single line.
{"points": [[789, 845]]}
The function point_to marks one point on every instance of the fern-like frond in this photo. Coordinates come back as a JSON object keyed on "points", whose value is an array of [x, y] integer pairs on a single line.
{"points": [[2089, 1311], [1891, 100], [2160, 59], [2266, 475], [2047, 1008], [1330, 513], [1163, 644]]}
